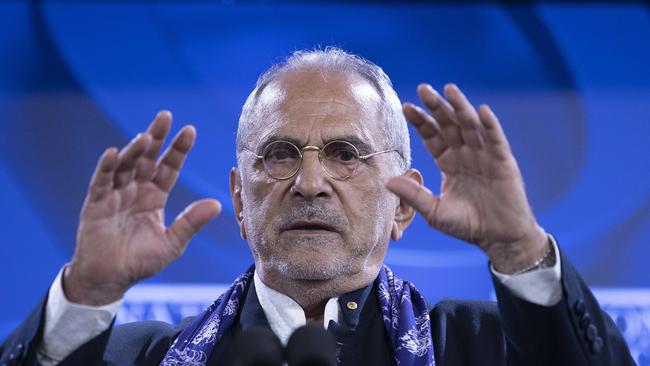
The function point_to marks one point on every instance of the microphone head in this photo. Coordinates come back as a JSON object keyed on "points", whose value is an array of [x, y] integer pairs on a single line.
{"points": [[258, 346], [311, 346]]}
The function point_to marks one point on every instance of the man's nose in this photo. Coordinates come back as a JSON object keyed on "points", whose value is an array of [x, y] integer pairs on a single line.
{"points": [[311, 181]]}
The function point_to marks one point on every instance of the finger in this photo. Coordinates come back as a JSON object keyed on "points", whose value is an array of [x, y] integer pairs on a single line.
{"points": [[417, 196], [427, 127], [170, 163], [102, 180], [470, 126], [496, 140], [128, 158], [158, 129], [443, 113], [190, 221]]}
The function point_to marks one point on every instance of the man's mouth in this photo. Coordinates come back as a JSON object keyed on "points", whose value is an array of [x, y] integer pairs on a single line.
{"points": [[310, 226]]}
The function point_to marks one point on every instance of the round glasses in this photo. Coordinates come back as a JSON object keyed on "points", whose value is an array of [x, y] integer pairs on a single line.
{"points": [[339, 159]]}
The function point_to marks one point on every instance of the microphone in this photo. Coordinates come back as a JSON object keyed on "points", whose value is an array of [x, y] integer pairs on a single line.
{"points": [[258, 346], [311, 346]]}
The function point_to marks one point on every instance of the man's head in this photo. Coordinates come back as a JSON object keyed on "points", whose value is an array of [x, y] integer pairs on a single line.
{"points": [[313, 226], [331, 61]]}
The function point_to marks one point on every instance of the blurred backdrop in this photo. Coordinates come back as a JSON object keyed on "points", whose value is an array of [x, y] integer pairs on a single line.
{"points": [[570, 83]]}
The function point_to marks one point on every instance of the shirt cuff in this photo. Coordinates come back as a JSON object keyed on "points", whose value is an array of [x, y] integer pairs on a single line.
{"points": [[69, 325], [541, 286]]}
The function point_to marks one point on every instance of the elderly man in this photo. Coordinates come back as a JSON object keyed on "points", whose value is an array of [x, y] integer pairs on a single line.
{"points": [[323, 183]]}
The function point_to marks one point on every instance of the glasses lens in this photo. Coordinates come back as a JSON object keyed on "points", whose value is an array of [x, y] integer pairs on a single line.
{"points": [[340, 159], [281, 159]]}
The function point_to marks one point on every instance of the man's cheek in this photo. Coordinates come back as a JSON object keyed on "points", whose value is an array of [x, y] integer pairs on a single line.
{"points": [[261, 198]]}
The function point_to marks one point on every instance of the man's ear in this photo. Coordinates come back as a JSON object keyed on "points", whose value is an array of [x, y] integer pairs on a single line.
{"points": [[237, 204], [404, 213]]}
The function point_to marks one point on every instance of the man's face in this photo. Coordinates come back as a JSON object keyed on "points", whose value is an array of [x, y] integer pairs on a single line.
{"points": [[311, 226]]}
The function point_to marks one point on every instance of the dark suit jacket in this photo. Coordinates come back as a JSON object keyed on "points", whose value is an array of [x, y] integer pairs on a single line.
{"points": [[511, 332]]}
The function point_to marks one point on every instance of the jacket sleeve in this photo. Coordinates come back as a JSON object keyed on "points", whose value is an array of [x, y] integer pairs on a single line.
{"points": [[142, 343], [573, 332], [19, 348]]}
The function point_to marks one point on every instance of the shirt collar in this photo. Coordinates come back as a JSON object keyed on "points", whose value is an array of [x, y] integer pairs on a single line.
{"points": [[351, 305], [284, 315]]}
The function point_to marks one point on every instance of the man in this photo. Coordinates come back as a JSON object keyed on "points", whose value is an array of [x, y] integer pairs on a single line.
{"points": [[323, 183]]}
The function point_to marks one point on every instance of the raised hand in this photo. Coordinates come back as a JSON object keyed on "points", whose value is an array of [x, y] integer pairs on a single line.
{"points": [[482, 199], [122, 236]]}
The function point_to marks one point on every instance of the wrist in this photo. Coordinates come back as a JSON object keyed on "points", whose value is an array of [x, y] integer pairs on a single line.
{"points": [[78, 290], [532, 250]]}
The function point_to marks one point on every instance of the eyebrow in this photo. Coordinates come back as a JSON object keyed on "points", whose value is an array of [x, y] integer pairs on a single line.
{"points": [[273, 138], [361, 145]]}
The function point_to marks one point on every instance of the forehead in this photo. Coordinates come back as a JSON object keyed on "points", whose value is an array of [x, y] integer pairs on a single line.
{"points": [[313, 107]]}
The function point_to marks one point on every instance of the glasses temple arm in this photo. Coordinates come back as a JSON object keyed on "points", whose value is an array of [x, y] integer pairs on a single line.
{"points": [[364, 157]]}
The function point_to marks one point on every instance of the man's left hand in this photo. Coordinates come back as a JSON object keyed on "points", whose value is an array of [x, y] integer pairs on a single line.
{"points": [[482, 199]]}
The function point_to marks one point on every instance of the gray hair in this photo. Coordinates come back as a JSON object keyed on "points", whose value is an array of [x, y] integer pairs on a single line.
{"points": [[332, 59]]}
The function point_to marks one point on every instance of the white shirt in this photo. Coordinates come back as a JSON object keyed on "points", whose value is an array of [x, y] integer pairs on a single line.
{"points": [[284, 314], [69, 325]]}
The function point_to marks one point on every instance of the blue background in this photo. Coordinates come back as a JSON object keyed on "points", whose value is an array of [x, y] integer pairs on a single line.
{"points": [[570, 83]]}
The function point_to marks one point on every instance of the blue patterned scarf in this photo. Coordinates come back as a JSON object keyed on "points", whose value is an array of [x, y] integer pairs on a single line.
{"points": [[405, 314]]}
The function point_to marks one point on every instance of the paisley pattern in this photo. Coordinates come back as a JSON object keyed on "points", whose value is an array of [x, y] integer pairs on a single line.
{"points": [[406, 317], [404, 311], [196, 342]]}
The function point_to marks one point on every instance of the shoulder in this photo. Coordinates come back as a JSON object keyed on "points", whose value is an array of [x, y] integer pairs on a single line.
{"points": [[144, 342], [464, 317], [465, 308], [462, 331]]}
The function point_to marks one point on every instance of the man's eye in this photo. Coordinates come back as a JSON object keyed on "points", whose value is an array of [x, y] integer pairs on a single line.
{"points": [[345, 155], [342, 155], [281, 154], [278, 155]]}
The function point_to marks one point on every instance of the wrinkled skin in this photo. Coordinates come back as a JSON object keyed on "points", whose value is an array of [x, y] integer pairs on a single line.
{"points": [[311, 265], [312, 237], [482, 198]]}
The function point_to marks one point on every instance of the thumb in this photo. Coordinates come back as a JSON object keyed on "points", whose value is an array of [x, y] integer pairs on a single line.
{"points": [[417, 196], [191, 220]]}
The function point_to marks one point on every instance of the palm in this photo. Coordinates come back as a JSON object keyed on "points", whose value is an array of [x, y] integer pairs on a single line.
{"points": [[482, 198], [486, 199], [122, 237], [127, 225]]}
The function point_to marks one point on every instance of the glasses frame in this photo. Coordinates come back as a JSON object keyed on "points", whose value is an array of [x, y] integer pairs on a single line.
{"points": [[362, 158]]}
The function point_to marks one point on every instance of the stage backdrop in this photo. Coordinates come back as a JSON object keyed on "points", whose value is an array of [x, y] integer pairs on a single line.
{"points": [[571, 85]]}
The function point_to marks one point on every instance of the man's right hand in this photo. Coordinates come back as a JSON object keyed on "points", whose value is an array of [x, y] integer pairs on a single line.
{"points": [[122, 237]]}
